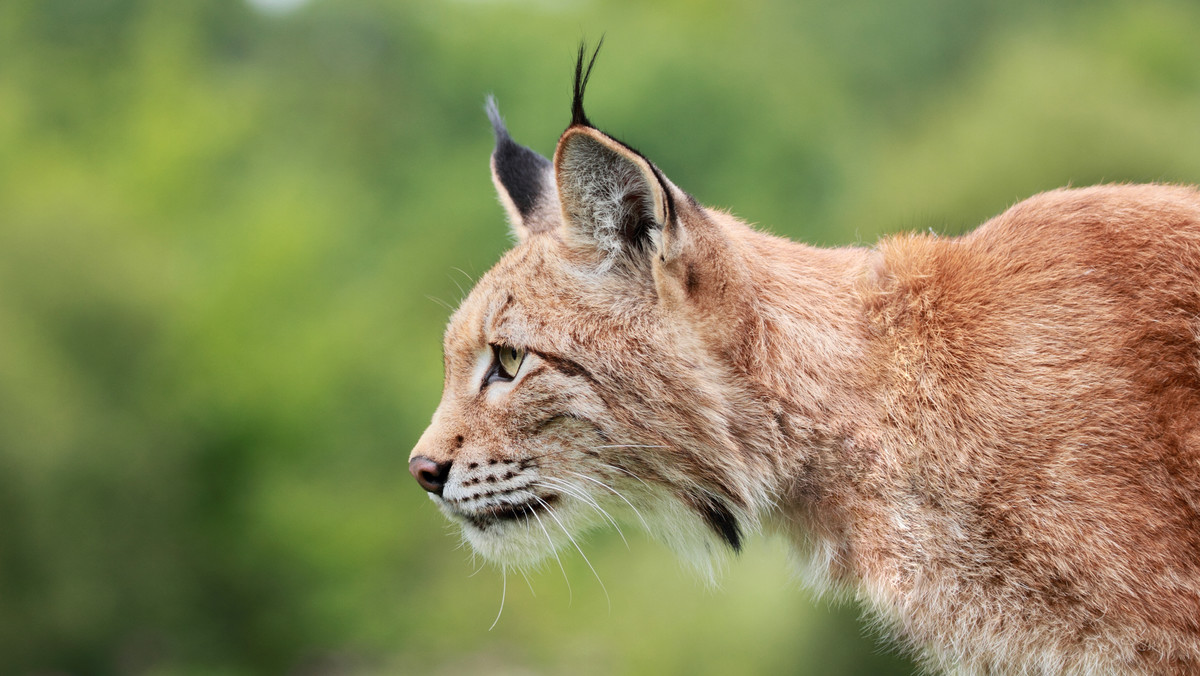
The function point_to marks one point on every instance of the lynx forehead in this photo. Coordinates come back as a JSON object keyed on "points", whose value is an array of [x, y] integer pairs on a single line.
{"points": [[992, 440]]}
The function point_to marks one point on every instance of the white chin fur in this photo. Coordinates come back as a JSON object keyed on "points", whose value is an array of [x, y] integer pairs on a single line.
{"points": [[687, 535], [512, 543], [528, 540]]}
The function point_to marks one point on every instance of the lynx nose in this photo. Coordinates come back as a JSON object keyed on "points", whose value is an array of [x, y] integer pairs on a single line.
{"points": [[431, 475]]}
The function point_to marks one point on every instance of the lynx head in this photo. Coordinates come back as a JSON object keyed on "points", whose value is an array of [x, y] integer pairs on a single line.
{"points": [[588, 374]]}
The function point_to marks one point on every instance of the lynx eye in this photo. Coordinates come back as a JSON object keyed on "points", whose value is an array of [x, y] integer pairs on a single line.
{"points": [[507, 362]]}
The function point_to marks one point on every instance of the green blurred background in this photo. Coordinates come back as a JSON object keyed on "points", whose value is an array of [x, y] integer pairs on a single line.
{"points": [[228, 233]]}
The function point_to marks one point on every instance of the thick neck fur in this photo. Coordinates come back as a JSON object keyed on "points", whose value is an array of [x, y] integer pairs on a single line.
{"points": [[806, 363], [990, 439]]}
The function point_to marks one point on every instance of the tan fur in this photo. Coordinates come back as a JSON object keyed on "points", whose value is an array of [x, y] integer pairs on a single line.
{"points": [[992, 439]]}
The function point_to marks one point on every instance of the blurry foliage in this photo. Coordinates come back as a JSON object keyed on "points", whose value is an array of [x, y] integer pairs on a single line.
{"points": [[226, 238]]}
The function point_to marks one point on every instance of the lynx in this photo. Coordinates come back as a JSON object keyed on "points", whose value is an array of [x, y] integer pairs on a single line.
{"points": [[992, 441]]}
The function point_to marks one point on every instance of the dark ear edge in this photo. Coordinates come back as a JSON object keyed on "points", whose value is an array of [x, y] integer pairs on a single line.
{"points": [[612, 198], [579, 118], [522, 177]]}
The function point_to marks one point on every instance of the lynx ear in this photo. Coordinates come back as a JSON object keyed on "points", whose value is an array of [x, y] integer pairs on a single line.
{"points": [[613, 200], [524, 181]]}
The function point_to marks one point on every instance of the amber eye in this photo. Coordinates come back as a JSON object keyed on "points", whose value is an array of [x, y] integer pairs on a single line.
{"points": [[508, 361]]}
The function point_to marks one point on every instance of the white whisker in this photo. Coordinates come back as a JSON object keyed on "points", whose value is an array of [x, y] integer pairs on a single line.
{"points": [[468, 277], [554, 551], [578, 549], [441, 302], [626, 472], [503, 594], [527, 582], [615, 492], [462, 293], [477, 569], [583, 497]]}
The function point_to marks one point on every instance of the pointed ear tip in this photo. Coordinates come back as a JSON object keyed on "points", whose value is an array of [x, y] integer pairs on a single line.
{"points": [[590, 134], [581, 129], [493, 113], [565, 140]]}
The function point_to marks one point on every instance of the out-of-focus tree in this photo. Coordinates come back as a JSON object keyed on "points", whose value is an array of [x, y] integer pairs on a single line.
{"points": [[229, 233]]}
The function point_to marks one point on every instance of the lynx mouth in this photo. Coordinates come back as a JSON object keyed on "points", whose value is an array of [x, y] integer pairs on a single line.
{"points": [[509, 512]]}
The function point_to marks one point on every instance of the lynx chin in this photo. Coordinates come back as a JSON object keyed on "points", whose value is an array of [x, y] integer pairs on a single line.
{"points": [[992, 441]]}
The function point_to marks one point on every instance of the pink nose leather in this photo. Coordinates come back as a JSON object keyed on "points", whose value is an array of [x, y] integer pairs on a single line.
{"points": [[431, 475]]}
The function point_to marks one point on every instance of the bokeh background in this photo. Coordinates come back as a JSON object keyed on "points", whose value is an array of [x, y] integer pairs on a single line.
{"points": [[230, 231]]}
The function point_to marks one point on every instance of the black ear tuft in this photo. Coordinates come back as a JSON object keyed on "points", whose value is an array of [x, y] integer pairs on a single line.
{"points": [[581, 80], [521, 171]]}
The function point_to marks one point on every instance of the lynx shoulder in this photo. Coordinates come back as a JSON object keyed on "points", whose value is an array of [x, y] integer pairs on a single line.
{"points": [[992, 440]]}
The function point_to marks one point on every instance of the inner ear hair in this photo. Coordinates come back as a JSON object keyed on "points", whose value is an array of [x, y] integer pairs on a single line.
{"points": [[612, 198]]}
